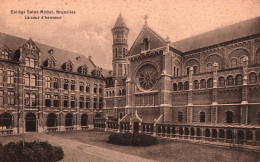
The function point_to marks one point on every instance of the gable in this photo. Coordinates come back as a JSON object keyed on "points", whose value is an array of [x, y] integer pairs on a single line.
{"points": [[154, 39]]}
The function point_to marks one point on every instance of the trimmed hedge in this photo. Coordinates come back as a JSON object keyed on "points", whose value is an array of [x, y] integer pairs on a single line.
{"points": [[32, 152], [137, 139]]}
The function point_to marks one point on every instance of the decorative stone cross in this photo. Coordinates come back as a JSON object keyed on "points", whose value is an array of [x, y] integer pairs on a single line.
{"points": [[145, 18]]}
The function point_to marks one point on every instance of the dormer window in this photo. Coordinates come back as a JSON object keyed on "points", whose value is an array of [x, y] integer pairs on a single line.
{"points": [[67, 66], [146, 44], [29, 62], [49, 63], [5, 54], [83, 70]]}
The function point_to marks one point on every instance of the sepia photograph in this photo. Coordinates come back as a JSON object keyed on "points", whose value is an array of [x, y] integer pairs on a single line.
{"points": [[130, 80]]}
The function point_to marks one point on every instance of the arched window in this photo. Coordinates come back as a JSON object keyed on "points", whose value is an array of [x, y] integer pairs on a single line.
{"points": [[229, 134], [230, 81], [146, 44], [186, 85], [258, 114], [252, 78], [32, 80], [202, 83], [188, 70], [179, 116], [10, 77], [181, 131], [5, 121], [51, 120], [27, 62], [198, 131], [120, 92], [240, 135], [233, 62], [209, 67], [174, 87], [196, 84], [207, 133], [123, 52], [229, 117], [174, 71], [1, 76], [69, 120], [195, 69], [180, 86], [32, 63], [202, 116], [239, 79], [26, 80], [214, 133], [249, 135], [221, 81], [84, 120], [116, 52], [210, 83], [221, 133]]}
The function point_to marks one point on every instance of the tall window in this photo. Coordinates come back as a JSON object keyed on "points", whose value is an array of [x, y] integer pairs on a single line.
{"points": [[196, 84], [239, 79], [116, 52], [69, 120], [229, 117], [177, 72], [87, 102], [47, 100], [230, 81], [10, 77], [65, 101], [233, 63], [56, 101], [180, 116], [81, 86], [32, 62], [27, 62], [202, 83], [180, 86], [186, 85], [195, 69], [56, 83], [221, 81], [124, 52], [72, 102], [174, 71], [81, 102], [1, 98], [174, 87], [210, 83], [1, 76], [146, 44], [72, 86], [66, 84], [252, 78], [11, 98], [26, 100], [188, 70], [27, 80], [100, 102], [87, 87], [95, 88], [202, 116], [120, 69], [95, 103], [114, 69], [32, 99], [47, 82], [32, 80]]}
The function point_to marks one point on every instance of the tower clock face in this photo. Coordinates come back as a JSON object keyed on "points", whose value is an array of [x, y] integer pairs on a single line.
{"points": [[147, 76]]}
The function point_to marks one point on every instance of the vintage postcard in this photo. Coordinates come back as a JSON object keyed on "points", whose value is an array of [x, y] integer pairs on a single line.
{"points": [[129, 80]]}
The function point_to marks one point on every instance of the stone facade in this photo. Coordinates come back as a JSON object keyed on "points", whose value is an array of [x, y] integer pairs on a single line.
{"points": [[46, 89], [196, 89]]}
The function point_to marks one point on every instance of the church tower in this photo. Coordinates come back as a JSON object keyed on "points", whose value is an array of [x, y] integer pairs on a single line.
{"points": [[120, 48]]}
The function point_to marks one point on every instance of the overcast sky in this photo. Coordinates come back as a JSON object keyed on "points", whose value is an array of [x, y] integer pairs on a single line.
{"points": [[89, 30]]}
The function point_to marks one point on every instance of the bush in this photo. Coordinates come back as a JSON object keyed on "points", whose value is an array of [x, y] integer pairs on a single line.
{"points": [[31, 152], [136, 139]]}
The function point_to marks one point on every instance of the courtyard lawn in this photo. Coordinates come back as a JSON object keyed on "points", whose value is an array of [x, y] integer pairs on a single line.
{"points": [[165, 150]]}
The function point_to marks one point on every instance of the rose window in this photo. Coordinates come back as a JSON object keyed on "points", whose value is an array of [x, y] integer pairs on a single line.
{"points": [[147, 77]]}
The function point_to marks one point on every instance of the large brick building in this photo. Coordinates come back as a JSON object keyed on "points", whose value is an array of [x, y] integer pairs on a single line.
{"points": [[46, 88], [206, 87]]}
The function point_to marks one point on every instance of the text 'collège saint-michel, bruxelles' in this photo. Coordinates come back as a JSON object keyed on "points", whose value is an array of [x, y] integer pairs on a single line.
{"points": [[43, 14]]}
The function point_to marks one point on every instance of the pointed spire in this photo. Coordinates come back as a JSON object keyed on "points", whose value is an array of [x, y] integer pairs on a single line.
{"points": [[145, 19], [120, 22]]}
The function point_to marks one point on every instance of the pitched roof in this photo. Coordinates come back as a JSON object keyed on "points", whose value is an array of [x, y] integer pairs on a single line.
{"points": [[221, 35], [155, 40], [120, 22], [60, 55]]}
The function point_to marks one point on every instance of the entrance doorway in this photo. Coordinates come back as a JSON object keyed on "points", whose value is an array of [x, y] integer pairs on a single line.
{"points": [[136, 127], [30, 122]]}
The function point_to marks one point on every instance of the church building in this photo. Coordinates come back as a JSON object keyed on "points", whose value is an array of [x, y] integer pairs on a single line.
{"points": [[203, 88]]}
